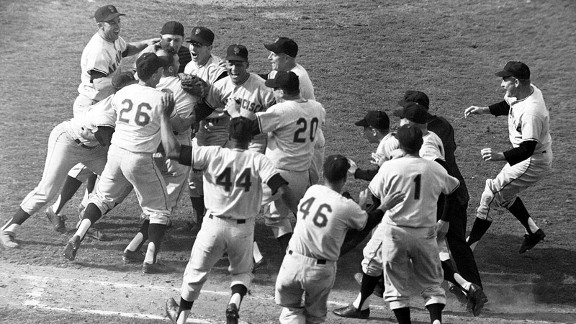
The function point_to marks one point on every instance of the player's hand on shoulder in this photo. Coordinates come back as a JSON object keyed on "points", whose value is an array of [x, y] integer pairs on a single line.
{"points": [[168, 102], [152, 41], [391, 200], [232, 107], [442, 228], [363, 198], [353, 167], [377, 159]]}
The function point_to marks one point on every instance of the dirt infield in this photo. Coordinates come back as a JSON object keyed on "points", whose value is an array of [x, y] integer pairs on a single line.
{"points": [[361, 55]]}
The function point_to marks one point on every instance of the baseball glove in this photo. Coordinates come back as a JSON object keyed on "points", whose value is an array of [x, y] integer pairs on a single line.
{"points": [[193, 85], [104, 135]]}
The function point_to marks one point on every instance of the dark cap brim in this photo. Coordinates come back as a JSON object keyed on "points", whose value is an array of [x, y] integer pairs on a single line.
{"points": [[112, 16], [196, 40], [398, 113], [236, 58], [503, 74], [271, 47], [271, 83], [363, 123]]}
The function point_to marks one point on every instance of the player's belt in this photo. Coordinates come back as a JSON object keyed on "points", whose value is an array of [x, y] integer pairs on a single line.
{"points": [[318, 261], [79, 142], [238, 221]]}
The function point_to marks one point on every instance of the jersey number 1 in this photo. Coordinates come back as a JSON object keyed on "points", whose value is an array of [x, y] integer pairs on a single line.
{"points": [[417, 186]]}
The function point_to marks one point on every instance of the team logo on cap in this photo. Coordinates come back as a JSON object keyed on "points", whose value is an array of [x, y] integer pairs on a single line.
{"points": [[197, 31], [277, 40], [112, 9], [236, 50]]}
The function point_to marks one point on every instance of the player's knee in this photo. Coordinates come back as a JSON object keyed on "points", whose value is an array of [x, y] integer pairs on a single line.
{"points": [[159, 218]]}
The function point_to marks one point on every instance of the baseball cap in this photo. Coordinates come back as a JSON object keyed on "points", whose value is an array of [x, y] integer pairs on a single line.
{"points": [[283, 45], [415, 96], [172, 28], [120, 80], [286, 80], [201, 35], [414, 112], [147, 64], [410, 138], [516, 69], [237, 53], [375, 118], [239, 129], [336, 167], [106, 13]]}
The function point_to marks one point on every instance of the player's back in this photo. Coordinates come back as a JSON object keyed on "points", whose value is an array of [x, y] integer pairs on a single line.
{"points": [[232, 179], [292, 127], [138, 110], [324, 216]]}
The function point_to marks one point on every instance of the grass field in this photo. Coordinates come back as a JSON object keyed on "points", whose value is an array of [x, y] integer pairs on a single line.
{"points": [[361, 55]]}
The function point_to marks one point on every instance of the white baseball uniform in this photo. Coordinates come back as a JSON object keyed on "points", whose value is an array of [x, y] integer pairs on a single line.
{"points": [[324, 216], [233, 181], [406, 234]]}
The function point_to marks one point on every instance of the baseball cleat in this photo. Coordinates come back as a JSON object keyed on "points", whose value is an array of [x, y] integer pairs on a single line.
{"points": [[94, 233], [232, 314], [154, 268], [530, 240], [172, 310], [72, 247], [257, 265], [476, 300], [459, 293], [8, 239], [56, 220], [133, 256], [352, 312]]}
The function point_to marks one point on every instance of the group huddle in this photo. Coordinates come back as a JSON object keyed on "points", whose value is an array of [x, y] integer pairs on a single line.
{"points": [[248, 145]]}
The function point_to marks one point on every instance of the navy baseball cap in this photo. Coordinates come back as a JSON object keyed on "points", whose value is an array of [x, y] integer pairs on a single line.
{"points": [[375, 118], [410, 138], [240, 129], [237, 52], [201, 35], [147, 64], [283, 45], [516, 69], [172, 28], [336, 167], [414, 112], [106, 13], [286, 80], [415, 96]]}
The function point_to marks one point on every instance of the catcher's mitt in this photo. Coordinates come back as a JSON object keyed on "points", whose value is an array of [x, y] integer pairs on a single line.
{"points": [[104, 135], [193, 85]]}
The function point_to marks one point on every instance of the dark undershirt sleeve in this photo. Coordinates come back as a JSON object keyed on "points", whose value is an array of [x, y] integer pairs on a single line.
{"points": [[202, 110], [185, 155], [520, 153], [499, 109], [367, 175], [275, 182], [222, 76], [355, 237], [95, 75]]}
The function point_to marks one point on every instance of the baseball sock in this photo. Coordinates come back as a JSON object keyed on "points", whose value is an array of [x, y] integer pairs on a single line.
{"points": [[91, 215], [479, 228], [155, 234], [519, 211], [140, 237], [284, 240], [367, 288], [69, 188], [403, 315], [184, 310], [91, 182], [19, 217], [435, 311], [199, 208], [449, 272], [238, 293]]}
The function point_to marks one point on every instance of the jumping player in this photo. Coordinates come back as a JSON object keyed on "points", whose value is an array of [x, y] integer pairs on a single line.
{"points": [[233, 180], [527, 162]]}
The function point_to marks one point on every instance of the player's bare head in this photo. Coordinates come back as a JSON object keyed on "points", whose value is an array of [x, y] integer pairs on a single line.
{"points": [[239, 129], [282, 53], [237, 63], [418, 97], [288, 82], [170, 60], [120, 80], [336, 168], [414, 114], [149, 66], [200, 44], [172, 35], [108, 21], [410, 138]]}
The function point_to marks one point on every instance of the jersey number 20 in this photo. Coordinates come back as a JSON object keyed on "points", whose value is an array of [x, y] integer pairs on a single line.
{"points": [[225, 179], [300, 134], [141, 118]]}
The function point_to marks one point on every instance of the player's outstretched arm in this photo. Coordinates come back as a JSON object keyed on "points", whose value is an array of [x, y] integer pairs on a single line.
{"points": [[137, 47], [169, 141], [476, 110], [289, 198], [391, 200]]}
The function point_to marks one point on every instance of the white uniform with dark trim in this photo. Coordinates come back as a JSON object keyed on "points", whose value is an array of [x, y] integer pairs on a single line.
{"points": [[324, 216], [406, 236], [130, 157], [233, 181], [528, 120]]}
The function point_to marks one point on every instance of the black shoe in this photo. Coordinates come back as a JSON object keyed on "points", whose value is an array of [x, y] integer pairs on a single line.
{"points": [[133, 256], [232, 314], [57, 221], [72, 247], [530, 240], [476, 300], [459, 293], [155, 268], [172, 310], [351, 312]]}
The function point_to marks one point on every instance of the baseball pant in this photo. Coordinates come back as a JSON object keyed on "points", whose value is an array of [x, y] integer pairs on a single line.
{"points": [[278, 215], [81, 105], [219, 235], [176, 174], [406, 248], [513, 179], [317, 158], [299, 275], [63, 153], [124, 169]]}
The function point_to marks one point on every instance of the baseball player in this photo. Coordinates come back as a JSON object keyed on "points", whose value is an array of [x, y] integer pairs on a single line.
{"points": [[292, 125], [100, 61], [324, 216], [214, 129], [233, 180], [282, 56], [527, 162], [408, 230], [139, 109], [172, 39], [82, 139]]}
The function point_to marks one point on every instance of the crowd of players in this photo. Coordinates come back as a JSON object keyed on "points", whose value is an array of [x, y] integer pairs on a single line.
{"points": [[250, 144]]}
